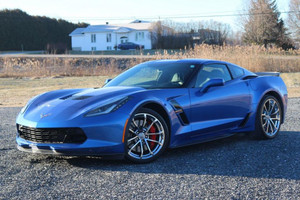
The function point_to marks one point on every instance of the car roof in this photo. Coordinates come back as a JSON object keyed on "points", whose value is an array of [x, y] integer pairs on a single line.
{"points": [[200, 62], [191, 61]]}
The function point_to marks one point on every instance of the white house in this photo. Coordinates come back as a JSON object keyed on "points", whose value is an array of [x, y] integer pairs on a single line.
{"points": [[106, 37]]}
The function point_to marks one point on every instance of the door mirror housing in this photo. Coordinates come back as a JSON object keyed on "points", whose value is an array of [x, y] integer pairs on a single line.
{"points": [[212, 83], [107, 80]]}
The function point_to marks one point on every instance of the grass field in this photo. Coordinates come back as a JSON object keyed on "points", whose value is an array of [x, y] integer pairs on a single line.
{"points": [[16, 92], [253, 58], [24, 76]]}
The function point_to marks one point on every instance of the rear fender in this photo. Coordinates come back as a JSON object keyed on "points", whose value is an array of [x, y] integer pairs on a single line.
{"points": [[261, 86]]}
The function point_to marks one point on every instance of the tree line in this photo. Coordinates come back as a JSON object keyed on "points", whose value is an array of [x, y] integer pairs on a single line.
{"points": [[261, 24], [20, 31]]}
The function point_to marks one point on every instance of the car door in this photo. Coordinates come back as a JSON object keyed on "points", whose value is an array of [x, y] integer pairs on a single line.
{"points": [[221, 107]]}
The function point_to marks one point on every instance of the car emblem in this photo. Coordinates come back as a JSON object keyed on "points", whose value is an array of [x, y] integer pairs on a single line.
{"points": [[45, 115]]}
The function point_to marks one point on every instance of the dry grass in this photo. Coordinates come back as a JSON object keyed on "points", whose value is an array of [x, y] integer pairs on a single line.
{"points": [[254, 58], [43, 69], [16, 92]]}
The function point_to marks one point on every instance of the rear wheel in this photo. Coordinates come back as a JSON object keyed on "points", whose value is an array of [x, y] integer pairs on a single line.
{"points": [[268, 118], [147, 136]]}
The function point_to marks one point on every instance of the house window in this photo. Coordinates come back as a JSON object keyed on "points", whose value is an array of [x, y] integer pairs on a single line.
{"points": [[108, 37], [93, 38], [124, 39], [108, 48], [139, 36], [93, 48]]}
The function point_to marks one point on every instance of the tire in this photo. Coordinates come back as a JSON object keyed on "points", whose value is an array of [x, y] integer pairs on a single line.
{"points": [[147, 136], [268, 118]]}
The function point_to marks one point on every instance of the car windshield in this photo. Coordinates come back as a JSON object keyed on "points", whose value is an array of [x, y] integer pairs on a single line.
{"points": [[154, 75]]}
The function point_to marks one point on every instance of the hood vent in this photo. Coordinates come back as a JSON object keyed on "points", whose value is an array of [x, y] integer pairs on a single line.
{"points": [[74, 97], [80, 97]]}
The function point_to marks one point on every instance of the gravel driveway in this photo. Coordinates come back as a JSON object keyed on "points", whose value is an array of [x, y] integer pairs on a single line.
{"points": [[233, 168]]}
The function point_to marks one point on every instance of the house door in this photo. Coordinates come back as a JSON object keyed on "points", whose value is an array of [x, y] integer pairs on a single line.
{"points": [[124, 39]]}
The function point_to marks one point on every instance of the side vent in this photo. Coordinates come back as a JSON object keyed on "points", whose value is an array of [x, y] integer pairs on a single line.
{"points": [[180, 112], [250, 77], [243, 123]]}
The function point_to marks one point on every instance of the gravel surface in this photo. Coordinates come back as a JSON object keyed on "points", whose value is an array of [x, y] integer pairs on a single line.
{"points": [[233, 168]]}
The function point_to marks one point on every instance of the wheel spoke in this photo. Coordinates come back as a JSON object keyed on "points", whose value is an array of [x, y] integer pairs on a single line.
{"points": [[134, 123], [134, 146], [272, 130], [269, 107], [265, 108], [264, 124], [268, 126], [272, 106], [154, 141], [273, 126], [159, 133], [132, 131], [275, 112], [151, 125], [142, 149], [132, 138], [145, 120], [148, 147], [276, 119]]}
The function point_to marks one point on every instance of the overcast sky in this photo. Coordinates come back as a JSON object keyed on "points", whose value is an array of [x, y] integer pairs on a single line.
{"points": [[123, 11]]}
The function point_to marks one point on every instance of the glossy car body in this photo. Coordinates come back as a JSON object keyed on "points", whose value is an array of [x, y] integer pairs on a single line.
{"points": [[129, 45], [192, 114]]}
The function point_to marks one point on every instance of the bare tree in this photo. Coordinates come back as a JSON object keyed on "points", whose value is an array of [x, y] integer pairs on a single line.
{"points": [[178, 35], [158, 32], [294, 19]]}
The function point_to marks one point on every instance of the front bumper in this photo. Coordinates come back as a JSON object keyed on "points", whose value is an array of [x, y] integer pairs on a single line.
{"points": [[103, 136], [96, 148]]}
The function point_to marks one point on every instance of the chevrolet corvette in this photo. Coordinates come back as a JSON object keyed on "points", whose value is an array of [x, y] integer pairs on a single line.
{"points": [[153, 106]]}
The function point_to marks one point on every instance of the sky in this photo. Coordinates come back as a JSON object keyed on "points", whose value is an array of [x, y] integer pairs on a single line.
{"points": [[124, 11]]}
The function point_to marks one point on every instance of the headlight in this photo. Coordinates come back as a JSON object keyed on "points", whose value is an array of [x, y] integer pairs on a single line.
{"points": [[108, 108]]}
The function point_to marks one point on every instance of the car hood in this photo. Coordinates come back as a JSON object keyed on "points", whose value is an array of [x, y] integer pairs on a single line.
{"points": [[68, 104]]}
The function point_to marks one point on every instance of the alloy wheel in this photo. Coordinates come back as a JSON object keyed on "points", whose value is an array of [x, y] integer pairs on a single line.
{"points": [[270, 117], [146, 136]]}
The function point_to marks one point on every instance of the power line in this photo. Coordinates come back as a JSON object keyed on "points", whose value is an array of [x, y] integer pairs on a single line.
{"points": [[163, 17], [181, 16]]}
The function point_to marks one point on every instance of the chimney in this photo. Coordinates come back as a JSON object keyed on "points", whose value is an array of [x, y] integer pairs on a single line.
{"points": [[107, 23]]}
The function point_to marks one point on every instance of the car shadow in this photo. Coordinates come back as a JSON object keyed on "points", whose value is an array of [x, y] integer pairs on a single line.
{"points": [[239, 155]]}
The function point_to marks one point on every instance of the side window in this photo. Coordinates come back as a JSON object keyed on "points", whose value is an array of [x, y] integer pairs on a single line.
{"points": [[236, 71], [212, 72]]}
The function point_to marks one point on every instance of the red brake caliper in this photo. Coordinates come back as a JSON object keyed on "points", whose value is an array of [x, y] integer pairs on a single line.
{"points": [[152, 137]]}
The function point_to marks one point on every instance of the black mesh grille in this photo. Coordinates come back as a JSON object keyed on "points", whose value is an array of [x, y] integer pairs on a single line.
{"points": [[51, 135]]}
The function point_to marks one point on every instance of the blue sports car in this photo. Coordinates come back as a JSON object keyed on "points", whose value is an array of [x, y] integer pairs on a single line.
{"points": [[153, 106]]}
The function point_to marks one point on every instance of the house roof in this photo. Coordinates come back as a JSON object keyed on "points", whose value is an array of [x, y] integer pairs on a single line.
{"points": [[77, 31], [133, 26]]}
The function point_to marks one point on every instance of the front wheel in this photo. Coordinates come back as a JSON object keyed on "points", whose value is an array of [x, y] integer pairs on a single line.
{"points": [[147, 136], [268, 118]]}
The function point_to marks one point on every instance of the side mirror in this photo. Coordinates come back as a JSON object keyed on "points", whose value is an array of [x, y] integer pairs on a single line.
{"points": [[212, 83], [107, 80]]}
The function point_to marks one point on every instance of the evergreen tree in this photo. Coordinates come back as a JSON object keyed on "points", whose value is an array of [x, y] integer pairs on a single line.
{"points": [[20, 31], [264, 25]]}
